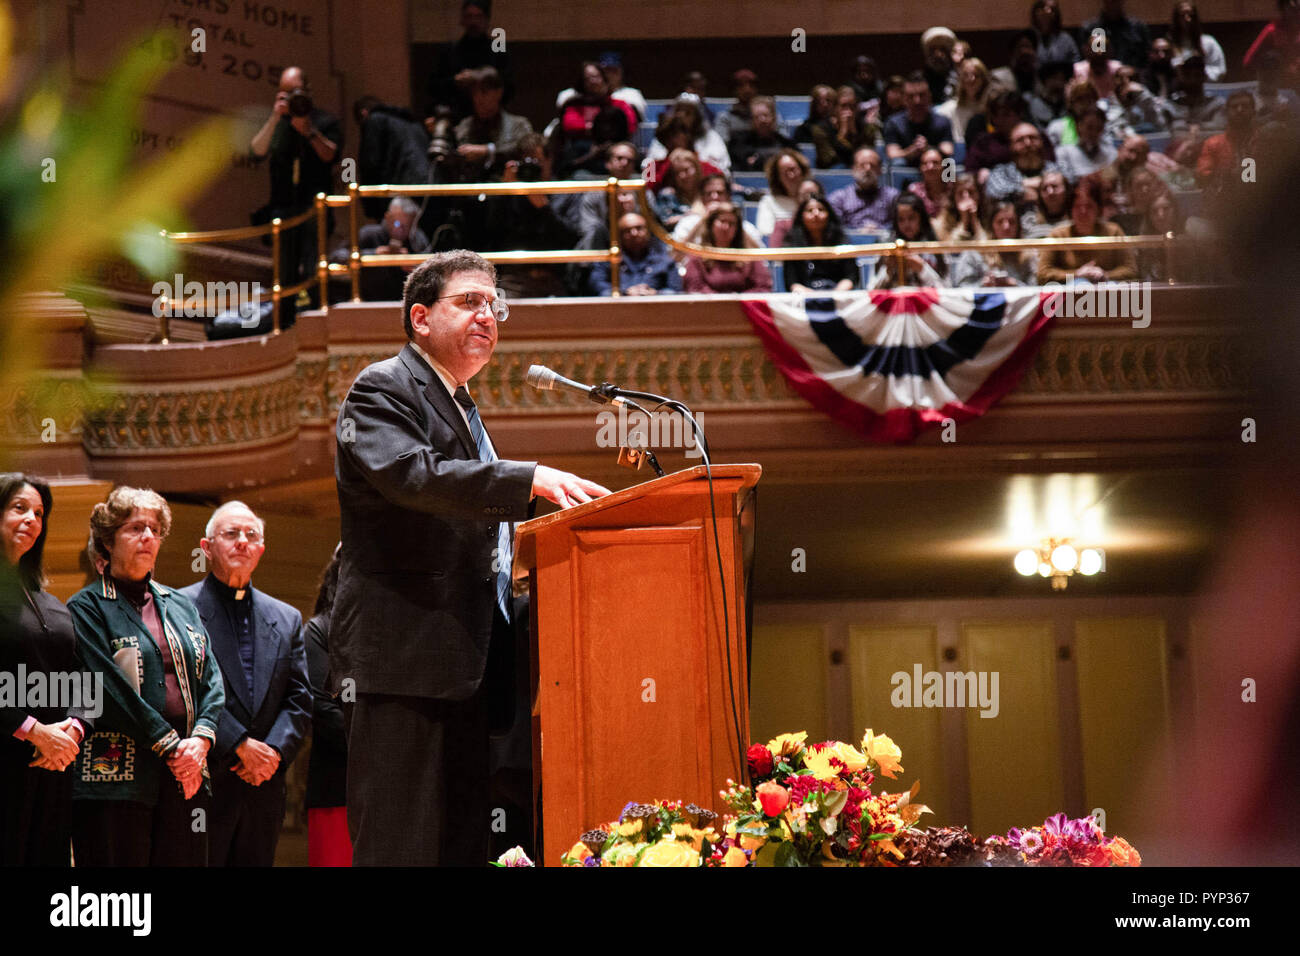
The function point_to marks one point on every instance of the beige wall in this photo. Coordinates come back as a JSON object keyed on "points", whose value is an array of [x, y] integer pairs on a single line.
{"points": [[612, 19], [1087, 702]]}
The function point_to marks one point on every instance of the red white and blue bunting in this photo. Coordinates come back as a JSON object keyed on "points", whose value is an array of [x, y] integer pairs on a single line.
{"points": [[891, 363]]}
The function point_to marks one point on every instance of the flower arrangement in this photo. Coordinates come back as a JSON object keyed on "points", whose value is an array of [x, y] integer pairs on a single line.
{"points": [[813, 805]]}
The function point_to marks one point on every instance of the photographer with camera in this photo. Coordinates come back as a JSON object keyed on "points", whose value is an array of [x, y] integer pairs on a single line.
{"points": [[301, 144], [488, 135]]}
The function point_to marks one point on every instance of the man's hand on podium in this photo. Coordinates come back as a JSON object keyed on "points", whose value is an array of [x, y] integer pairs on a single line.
{"points": [[564, 489]]}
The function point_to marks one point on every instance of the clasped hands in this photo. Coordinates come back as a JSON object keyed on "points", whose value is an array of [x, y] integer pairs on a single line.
{"points": [[186, 763], [257, 762], [56, 745]]}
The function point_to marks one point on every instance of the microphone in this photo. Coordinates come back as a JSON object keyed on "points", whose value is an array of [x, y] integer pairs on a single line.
{"points": [[544, 379]]}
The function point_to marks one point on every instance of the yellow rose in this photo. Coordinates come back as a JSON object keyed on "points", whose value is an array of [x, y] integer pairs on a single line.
{"points": [[631, 828], [735, 856], [669, 853], [884, 752], [819, 762], [750, 841], [787, 744], [578, 852]]}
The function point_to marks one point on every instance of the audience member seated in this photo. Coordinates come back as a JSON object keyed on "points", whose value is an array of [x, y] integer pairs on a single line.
{"points": [[815, 224], [1097, 67], [714, 191], [988, 139], [1281, 36], [1273, 104], [1185, 37], [865, 79], [1090, 265], [721, 228], [1129, 38], [1221, 156], [972, 91], [695, 86], [971, 268], [1093, 152], [706, 143], [396, 234], [1134, 154], [1141, 109], [1080, 97], [866, 204], [590, 212], [918, 127], [673, 134], [752, 148], [807, 189], [1021, 72], [1018, 180], [938, 72], [821, 109], [1189, 110], [1052, 208], [611, 64], [910, 223], [1158, 73], [645, 267], [785, 171], [736, 120], [847, 132], [1055, 45], [932, 187], [959, 218], [489, 134], [1190, 261], [894, 100], [681, 194], [528, 223], [1048, 101], [589, 120], [1134, 200]]}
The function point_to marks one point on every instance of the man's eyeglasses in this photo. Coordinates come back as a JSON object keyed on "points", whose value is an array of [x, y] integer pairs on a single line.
{"points": [[476, 301], [231, 535]]}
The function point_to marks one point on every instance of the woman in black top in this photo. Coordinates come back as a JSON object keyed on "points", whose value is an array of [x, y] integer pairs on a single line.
{"points": [[40, 740], [816, 224]]}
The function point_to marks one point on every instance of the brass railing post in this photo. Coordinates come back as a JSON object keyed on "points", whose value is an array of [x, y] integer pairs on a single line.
{"points": [[164, 314], [322, 263], [354, 238], [900, 260], [1169, 258], [275, 276], [615, 252]]}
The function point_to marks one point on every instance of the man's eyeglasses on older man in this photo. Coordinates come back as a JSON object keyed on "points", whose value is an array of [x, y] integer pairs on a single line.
{"points": [[476, 301]]}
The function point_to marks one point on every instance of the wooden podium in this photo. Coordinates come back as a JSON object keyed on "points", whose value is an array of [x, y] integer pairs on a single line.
{"points": [[640, 679]]}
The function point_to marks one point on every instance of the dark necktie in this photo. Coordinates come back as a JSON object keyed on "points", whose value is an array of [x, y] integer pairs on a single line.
{"points": [[505, 531]]}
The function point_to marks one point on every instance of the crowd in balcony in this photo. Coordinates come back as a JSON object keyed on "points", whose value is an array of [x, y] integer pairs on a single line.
{"points": [[1116, 129]]}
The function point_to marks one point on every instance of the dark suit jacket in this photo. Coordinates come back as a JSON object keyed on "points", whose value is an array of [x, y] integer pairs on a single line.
{"points": [[414, 609], [279, 711]]}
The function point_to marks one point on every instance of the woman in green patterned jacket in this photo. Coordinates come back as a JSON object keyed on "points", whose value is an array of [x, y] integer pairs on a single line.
{"points": [[142, 775]]}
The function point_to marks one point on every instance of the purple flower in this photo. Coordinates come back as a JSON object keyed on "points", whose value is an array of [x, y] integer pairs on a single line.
{"points": [[591, 861], [1083, 830]]}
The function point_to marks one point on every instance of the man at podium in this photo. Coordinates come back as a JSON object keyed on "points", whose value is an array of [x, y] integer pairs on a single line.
{"points": [[421, 629]]}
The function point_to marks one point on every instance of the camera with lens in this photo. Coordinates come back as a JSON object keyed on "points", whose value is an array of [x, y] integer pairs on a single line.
{"points": [[300, 103], [442, 137], [529, 170]]}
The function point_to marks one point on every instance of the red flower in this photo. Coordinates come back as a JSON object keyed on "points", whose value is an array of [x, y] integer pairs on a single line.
{"points": [[760, 761], [773, 797]]}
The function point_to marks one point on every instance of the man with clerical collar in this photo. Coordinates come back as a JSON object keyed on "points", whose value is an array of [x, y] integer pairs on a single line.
{"points": [[257, 641]]}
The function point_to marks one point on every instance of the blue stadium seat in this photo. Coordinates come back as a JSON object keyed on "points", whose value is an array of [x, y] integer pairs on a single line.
{"points": [[833, 179], [749, 180], [1224, 90], [900, 176], [1159, 142], [719, 104], [809, 151], [792, 109], [778, 275], [655, 108], [1189, 201], [645, 135], [751, 213], [959, 152]]}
